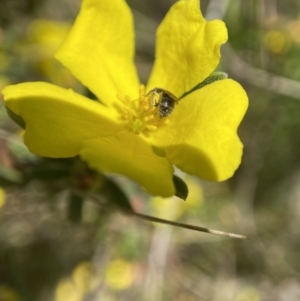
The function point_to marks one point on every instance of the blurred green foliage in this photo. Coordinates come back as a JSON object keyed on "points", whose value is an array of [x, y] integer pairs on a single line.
{"points": [[60, 239]]}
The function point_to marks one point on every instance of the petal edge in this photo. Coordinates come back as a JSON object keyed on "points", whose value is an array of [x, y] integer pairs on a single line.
{"points": [[201, 138], [99, 49], [186, 55]]}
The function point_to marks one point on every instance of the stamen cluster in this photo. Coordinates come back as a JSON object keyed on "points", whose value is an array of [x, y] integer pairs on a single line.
{"points": [[141, 114]]}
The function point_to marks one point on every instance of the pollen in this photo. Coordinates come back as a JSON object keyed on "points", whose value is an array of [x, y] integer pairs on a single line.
{"points": [[142, 114]]}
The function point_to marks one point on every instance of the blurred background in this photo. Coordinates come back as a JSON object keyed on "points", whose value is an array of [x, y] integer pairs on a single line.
{"points": [[58, 243]]}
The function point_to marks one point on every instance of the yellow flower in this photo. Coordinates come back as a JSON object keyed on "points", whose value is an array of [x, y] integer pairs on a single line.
{"points": [[277, 41], [123, 133], [119, 274]]}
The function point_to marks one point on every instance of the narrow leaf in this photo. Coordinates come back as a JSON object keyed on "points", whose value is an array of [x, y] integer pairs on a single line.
{"points": [[181, 187], [114, 194], [215, 76], [75, 207]]}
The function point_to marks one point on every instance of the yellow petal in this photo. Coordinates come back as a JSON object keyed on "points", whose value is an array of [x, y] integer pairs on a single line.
{"points": [[58, 120], [99, 49], [201, 138], [129, 155], [187, 50], [62, 123]]}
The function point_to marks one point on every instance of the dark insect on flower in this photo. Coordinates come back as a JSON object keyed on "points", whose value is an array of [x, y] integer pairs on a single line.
{"points": [[164, 100]]}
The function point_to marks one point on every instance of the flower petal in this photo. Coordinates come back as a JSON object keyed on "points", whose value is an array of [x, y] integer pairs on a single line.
{"points": [[58, 120], [188, 48], [99, 49], [62, 123], [129, 155], [201, 138]]}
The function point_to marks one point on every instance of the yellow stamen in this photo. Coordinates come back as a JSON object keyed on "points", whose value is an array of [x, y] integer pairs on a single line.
{"points": [[141, 114]]}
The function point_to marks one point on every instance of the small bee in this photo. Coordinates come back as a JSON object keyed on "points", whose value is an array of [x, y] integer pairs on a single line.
{"points": [[164, 100]]}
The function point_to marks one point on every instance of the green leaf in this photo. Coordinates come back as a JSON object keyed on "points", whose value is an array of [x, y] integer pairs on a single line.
{"points": [[115, 194], [182, 190], [16, 118], [75, 207], [215, 76]]}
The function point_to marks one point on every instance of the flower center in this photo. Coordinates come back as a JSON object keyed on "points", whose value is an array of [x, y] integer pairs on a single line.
{"points": [[149, 111]]}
